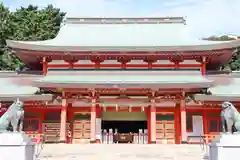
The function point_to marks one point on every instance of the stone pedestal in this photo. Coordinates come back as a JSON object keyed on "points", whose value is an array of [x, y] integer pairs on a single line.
{"points": [[16, 146], [225, 146]]}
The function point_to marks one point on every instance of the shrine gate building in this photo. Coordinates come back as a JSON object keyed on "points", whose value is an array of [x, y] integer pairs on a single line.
{"points": [[137, 80]]}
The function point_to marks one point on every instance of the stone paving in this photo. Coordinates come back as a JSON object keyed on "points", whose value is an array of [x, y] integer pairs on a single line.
{"points": [[120, 152]]}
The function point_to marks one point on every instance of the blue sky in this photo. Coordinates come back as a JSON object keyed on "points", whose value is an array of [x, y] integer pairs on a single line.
{"points": [[204, 17]]}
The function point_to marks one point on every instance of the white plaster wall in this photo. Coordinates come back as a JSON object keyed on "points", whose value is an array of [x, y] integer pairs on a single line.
{"points": [[197, 126], [98, 127], [166, 104], [80, 104]]}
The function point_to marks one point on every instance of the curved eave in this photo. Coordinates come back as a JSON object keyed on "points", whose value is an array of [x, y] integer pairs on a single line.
{"points": [[170, 85], [217, 98], [26, 97], [39, 46]]}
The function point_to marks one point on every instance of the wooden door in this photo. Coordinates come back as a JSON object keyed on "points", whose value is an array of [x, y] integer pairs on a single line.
{"points": [[52, 131], [165, 130], [81, 127]]}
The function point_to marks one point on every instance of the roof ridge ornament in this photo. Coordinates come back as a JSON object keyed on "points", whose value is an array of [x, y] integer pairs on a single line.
{"points": [[124, 20]]}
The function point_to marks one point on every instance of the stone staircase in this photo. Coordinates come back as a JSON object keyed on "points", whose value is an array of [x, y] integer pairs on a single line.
{"points": [[121, 151]]}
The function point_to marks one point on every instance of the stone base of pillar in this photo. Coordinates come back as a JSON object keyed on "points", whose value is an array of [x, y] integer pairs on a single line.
{"points": [[93, 141], [184, 142], [153, 142], [62, 141]]}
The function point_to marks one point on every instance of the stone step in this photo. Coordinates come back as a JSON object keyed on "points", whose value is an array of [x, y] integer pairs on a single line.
{"points": [[121, 151]]}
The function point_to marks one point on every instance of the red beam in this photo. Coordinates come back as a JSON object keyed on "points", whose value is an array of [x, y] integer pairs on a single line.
{"points": [[200, 109], [125, 66], [124, 109], [80, 109], [165, 109], [124, 54]]}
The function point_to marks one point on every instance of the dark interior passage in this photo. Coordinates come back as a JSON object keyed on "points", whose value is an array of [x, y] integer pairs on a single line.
{"points": [[125, 126]]}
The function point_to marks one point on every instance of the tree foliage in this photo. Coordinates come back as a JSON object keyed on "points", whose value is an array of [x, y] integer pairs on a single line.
{"points": [[26, 24], [32, 24], [221, 38]]}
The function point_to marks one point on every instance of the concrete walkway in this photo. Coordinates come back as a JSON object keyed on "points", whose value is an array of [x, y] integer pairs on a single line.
{"points": [[120, 151]]}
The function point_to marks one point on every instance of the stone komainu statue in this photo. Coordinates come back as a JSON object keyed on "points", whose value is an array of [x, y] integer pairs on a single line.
{"points": [[12, 119], [230, 118]]}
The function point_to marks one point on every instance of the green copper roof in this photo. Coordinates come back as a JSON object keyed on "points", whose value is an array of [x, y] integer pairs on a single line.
{"points": [[7, 87], [232, 89], [96, 35], [228, 92], [123, 79]]}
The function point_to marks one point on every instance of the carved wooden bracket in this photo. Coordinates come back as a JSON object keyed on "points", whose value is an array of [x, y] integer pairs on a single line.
{"points": [[124, 59], [97, 59], [176, 59], [203, 59], [44, 59]]}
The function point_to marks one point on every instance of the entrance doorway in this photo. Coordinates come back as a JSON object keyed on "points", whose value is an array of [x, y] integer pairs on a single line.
{"points": [[124, 127]]}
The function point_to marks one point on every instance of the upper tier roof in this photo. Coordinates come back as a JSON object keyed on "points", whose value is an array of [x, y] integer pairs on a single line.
{"points": [[123, 34]]}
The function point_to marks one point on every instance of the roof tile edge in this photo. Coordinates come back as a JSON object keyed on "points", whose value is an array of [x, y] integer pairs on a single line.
{"points": [[143, 20]]}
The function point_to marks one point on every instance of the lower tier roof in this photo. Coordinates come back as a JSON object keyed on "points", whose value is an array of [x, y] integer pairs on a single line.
{"points": [[10, 90], [225, 92], [124, 79], [8, 87]]}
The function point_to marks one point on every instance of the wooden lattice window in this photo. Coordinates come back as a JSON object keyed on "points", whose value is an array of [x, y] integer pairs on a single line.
{"points": [[214, 125], [214, 122], [53, 117], [164, 117], [214, 115], [82, 116], [31, 124]]}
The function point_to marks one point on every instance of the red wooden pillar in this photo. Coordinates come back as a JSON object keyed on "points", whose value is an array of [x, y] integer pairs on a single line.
{"points": [[183, 119], [44, 66], [1, 111], [63, 123], [98, 111], [183, 125], [152, 123], [150, 65], [93, 122], [69, 112], [177, 124], [71, 65], [123, 65], [203, 66], [149, 123], [98, 123], [205, 122], [42, 117]]}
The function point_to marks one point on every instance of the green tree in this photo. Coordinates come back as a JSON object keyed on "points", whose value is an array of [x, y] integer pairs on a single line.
{"points": [[5, 32], [221, 38], [26, 24], [234, 63]]}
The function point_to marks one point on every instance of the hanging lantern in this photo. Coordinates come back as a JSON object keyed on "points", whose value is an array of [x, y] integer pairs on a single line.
{"points": [[130, 108], [104, 108], [59, 90], [143, 109]]}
